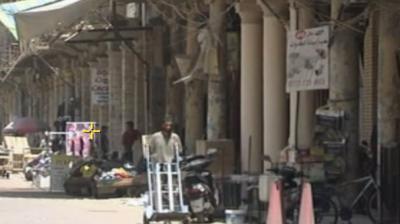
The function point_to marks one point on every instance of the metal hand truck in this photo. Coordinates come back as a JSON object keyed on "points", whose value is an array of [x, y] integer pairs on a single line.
{"points": [[165, 198]]}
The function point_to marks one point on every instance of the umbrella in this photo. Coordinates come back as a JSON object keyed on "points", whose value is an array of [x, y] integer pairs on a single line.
{"points": [[25, 125]]}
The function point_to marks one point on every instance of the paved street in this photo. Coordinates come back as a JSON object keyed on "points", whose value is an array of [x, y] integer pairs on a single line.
{"points": [[21, 204]]}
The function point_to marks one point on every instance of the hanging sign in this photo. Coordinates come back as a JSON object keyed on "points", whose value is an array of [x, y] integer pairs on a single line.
{"points": [[99, 85], [307, 59]]}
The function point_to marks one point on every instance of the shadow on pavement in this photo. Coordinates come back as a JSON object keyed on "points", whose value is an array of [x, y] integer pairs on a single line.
{"points": [[28, 193]]}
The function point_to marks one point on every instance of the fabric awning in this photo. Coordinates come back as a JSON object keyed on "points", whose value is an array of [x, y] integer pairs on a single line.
{"points": [[8, 10], [35, 22]]}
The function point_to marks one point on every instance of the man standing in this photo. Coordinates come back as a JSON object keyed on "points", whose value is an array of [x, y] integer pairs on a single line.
{"points": [[164, 143], [104, 141], [128, 139]]}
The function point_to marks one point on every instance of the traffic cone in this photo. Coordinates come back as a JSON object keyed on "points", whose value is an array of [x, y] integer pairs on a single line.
{"points": [[306, 206], [275, 205]]}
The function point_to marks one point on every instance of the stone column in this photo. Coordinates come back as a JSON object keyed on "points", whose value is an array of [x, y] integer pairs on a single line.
{"points": [[157, 79], [306, 111], [174, 97], [68, 88], [115, 94], [128, 85], [275, 97], [251, 85], [94, 111], [56, 98], [60, 95], [103, 110], [140, 92], [77, 91], [217, 81], [52, 95], [388, 79], [45, 101], [344, 86], [194, 96], [85, 92]]}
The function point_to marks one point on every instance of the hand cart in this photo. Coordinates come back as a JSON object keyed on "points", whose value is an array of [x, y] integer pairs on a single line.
{"points": [[165, 198], [5, 163]]}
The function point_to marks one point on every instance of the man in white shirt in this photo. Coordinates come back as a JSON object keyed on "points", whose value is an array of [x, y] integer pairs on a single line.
{"points": [[164, 143]]}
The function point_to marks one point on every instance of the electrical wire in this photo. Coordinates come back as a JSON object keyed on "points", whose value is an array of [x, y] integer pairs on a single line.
{"points": [[329, 19]]}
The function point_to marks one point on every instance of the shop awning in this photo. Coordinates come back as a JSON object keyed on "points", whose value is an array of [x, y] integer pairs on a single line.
{"points": [[35, 22], [8, 10]]}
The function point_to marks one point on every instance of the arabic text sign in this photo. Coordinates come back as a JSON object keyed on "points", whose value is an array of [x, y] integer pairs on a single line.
{"points": [[308, 59]]}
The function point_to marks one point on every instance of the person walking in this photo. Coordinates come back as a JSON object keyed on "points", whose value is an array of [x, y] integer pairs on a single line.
{"points": [[129, 137]]}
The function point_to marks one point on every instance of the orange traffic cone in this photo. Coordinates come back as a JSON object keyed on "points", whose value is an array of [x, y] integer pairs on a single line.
{"points": [[306, 207], [275, 205]]}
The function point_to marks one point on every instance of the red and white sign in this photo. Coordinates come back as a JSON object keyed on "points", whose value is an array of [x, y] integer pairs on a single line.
{"points": [[308, 59]]}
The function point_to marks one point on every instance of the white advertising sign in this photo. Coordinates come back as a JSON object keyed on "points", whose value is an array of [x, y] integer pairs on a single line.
{"points": [[59, 171], [308, 59], [99, 85]]}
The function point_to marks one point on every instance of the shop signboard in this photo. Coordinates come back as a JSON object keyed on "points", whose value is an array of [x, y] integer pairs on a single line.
{"points": [[59, 169], [77, 142], [308, 59], [99, 84]]}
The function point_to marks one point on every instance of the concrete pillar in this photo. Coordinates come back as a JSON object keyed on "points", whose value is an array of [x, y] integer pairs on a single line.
{"points": [[45, 103], [344, 86], [275, 97], [194, 97], [217, 82], [61, 94], [388, 78], [56, 92], [94, 111], [102, 110], [85, 92], [157, 78], [77, 90], [306, 110], [69, 91], [140, 93], [115, 96], [51, 95], [175, 104], [128, 85], [251, 85]]}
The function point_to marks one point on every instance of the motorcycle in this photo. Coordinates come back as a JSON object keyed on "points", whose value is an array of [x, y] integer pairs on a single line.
{"points": [[41, 164], [199, 187]]}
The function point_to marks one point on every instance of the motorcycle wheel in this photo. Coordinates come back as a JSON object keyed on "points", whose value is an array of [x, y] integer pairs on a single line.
{"points": [[28, 175], [201, 218]]}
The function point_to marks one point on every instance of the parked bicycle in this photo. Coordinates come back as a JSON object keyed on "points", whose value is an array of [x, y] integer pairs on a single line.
{"points": [[366, 197], [325, 210]]}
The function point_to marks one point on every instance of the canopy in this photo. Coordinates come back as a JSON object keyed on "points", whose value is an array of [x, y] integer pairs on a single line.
{"points": [[60, 14], [8, 10], [24, 125]]}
